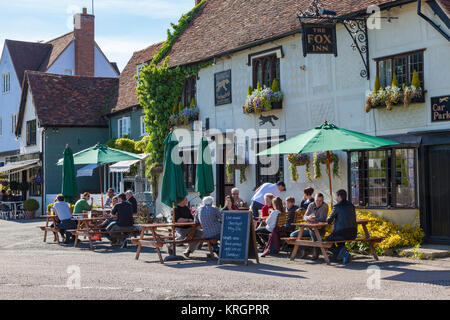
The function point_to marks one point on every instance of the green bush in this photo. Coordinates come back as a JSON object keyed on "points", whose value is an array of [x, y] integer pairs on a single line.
{"points": [[30, 205]]}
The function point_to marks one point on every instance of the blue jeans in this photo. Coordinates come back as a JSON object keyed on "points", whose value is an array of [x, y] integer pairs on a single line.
{"points": [[256, 206], [67, 224]]}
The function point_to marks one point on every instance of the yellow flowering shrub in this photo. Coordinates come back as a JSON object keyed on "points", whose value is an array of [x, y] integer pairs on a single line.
{"points": [[394, 236]]}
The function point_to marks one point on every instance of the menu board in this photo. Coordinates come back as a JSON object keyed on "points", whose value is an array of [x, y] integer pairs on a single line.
{"points": [[237, 241]]}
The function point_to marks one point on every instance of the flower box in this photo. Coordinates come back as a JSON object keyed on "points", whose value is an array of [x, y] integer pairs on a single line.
{"points": [[394, 96], [260, 100], [185, 117]]}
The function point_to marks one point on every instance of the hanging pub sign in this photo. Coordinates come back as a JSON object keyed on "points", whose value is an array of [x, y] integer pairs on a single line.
{"points": [[222, 87], [319, 39], [440, 108]]}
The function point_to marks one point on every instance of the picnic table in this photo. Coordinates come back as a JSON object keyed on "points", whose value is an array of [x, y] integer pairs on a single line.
{"points": [[157, 240], [51, 225], [87, 227], [101, 210], [323, 245]]}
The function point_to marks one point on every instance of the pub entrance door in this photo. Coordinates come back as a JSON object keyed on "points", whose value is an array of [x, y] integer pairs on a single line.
{"points": [[437, 171], [224, 182]]}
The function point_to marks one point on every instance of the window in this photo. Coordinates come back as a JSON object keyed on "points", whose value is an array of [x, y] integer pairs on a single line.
{"points": [[188, 166], [143, 130], [403, 65], [265, 70], [123, 126], [269, 168], [35, 182], [383, 178], [13, 122], [31, 132], [6, 87], [189, 90], [68, 72]]}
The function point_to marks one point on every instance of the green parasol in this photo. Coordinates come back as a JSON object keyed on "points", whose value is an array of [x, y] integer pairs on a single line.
{"points": [[69, 185], [204, 180], [327, 137]]}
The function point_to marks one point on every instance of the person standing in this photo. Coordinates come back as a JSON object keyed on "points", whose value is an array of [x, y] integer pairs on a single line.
{"points": [[131, 199], [258, 198], [343, 216], [183, 214], [82, 205]]}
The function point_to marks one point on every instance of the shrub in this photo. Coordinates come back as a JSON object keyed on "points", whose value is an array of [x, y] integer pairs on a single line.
{"points": [[394, 236], [30, 205]]}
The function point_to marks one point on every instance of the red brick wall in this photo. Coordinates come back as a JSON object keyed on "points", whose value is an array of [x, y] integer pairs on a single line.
{"points": [[84, 43]]}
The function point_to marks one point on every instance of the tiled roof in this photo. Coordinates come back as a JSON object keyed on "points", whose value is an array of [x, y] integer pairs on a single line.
{"points": [[74, 101], [58, 46], [224, 25], [27, 55], [127, 84], [445, 5]]}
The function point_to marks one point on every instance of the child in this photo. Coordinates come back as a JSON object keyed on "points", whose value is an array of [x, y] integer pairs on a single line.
{"points": [[265, 211]]}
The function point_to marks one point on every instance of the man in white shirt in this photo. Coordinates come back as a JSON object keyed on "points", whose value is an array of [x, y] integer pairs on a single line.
{"points": [[258, 197], [65, 217]]}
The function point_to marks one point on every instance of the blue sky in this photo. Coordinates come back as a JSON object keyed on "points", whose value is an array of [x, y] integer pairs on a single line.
{"points": [[122, 26]]}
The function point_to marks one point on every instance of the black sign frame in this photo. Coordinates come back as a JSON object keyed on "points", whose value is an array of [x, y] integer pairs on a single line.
{"points": [[441, 105], [222, 76], [331, 28], [249, 240]]}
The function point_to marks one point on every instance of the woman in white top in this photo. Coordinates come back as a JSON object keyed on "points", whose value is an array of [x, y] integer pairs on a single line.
{"points": [[262, 233]]}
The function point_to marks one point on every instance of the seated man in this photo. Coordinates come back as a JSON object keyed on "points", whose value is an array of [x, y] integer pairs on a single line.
{"points": [[262, 233], [237, 201], [183, 214], [317, 212], [291, 209], [131, 199], [65, 217], [345, 227], [123, 214], [82, 205], [211, 220], [109, 198], [104, 224]]}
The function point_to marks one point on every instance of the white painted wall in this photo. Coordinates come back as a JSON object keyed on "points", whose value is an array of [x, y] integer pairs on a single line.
{"points": [[102, 68], [330, 89], [30, 114], [66, 60], [9, 103]]}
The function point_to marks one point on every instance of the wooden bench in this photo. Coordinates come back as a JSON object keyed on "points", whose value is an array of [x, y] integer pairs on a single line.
{"points": [[51, 226], [298, 241], [90, 233]]}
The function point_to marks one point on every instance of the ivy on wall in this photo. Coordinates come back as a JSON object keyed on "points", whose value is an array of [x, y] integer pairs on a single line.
{"points": [[160, 88]]}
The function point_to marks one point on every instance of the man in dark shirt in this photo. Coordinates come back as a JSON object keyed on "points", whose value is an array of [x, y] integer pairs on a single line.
{"points": [[131, 199], [345, 227], [291, 209], [183, 214], [123, 214]]}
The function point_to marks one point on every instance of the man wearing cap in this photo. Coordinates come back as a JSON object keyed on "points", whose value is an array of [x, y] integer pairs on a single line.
{"points": [[258, 197]]}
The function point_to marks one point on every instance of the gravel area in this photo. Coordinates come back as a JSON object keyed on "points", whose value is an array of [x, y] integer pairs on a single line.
{"points": [[32, 269]]}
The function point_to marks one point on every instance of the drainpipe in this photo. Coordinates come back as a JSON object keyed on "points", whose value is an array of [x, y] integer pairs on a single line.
{"points": [[434, 25], [43, 172]]}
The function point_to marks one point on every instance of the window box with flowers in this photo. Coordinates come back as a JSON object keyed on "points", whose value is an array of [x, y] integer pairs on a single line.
{"points": [[184, 116], [263, 98]]}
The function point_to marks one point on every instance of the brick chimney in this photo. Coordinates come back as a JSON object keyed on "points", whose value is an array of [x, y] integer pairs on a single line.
{"points": [[84, 43]]}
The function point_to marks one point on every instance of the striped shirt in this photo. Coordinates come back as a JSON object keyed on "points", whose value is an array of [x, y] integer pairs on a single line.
{"points": [[211, 220]]}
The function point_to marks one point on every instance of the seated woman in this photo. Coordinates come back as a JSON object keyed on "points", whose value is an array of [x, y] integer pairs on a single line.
{"points": [[229, 204], [262, 233], [82, 205]]}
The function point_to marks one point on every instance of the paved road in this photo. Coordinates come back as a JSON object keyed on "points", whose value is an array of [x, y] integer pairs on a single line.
{"points": [[32, 269]]}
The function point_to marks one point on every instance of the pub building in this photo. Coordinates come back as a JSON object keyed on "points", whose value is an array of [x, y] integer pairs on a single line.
{"points": [[326, 61]]}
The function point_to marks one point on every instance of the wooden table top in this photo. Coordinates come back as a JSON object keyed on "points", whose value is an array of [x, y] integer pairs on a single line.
{"points": [[311, 224], [90, 219], [178, 224]]}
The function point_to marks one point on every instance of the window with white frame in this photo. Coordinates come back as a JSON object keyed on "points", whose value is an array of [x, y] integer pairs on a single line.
{"points": [[6, 87], [123, 126], [143, 131], [13, 122]]}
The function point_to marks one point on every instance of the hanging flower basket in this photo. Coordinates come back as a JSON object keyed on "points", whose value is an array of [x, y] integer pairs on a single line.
{"points": [[296, 160], [237, 165], [321, 158], [185, 117]]}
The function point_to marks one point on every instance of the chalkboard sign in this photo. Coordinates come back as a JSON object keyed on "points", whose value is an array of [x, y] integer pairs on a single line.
{"points": [[237, 241]]}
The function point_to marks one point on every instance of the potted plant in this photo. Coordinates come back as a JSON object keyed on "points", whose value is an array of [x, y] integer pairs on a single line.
{"points": [[30, 206], [263, 98]]}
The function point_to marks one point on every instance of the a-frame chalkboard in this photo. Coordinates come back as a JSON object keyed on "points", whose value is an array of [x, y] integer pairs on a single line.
{"points": [[238, 239]]}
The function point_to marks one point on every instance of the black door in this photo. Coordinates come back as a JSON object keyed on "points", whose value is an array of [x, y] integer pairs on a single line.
{"points": [[438, 193], [224, 182]]}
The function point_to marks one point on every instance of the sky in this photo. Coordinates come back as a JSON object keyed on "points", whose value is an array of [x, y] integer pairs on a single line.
{"points": [[121, 26]]}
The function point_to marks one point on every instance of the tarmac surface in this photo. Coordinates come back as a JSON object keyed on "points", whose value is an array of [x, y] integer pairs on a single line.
{"points": [[32, 269]]}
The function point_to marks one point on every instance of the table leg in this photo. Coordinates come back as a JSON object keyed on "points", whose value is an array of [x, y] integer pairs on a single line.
{"points": [[295, 250], [76, 235], [138, 252], [159, 254], [322, 248], [45, 231], [372, 247]]}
